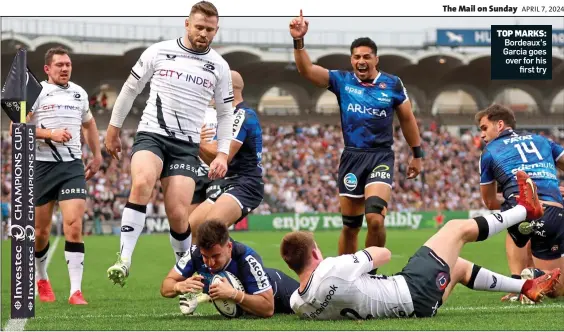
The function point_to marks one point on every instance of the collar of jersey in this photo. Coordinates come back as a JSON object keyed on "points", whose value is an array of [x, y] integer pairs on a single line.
{"points": [[306, 288], [60, 86], [226, 265], [181, 45], [373, 82], [504, 133]]}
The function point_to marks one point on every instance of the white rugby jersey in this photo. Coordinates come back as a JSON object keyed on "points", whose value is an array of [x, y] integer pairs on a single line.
{"points": [[341, 288], [59, 107], [183, 82]]}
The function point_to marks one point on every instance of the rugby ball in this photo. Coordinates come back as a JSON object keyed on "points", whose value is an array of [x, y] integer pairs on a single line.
{"points": [[228, 308]]}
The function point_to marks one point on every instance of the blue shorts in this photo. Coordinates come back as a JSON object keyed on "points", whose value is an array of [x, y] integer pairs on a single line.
{"points": [[247, 191], [359, 168], [547, 238]]}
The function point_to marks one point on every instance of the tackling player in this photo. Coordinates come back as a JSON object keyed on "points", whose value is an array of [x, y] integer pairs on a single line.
{"points": [[59, 113], [368, 99], [508, 151], [340, 287], [185, 74], [267, 291], [241, 191]]}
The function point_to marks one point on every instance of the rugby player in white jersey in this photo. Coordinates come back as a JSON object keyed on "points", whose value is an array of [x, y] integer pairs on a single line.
{"points": [[341, 287], [185, 74], [59, 113]]}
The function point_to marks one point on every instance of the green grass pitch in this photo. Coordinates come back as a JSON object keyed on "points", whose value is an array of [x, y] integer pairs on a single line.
{"points": [[139, 306]]}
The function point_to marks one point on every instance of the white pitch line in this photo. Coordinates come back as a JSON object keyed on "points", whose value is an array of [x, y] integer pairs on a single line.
{"points": [[163, 315], [505, 307], [19, 324]]}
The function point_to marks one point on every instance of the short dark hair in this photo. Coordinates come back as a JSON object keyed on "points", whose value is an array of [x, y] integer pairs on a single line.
{"points": [[496, 112], [296, 250], [364, 41], [210, 233], [205, 7], [59, 50]]}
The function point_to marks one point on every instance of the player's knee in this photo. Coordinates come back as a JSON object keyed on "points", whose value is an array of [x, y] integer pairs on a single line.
{"points": [[73, 229], [142, 186], [375, 205], [177, 215], [375, 222], [461, 227], [352, 224], [42, 233]]}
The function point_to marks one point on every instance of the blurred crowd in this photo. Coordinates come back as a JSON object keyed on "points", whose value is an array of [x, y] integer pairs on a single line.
{"points": [[301, 164]]}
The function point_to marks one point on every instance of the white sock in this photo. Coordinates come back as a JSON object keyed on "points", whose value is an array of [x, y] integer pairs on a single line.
{"points": [[486, 280], [179, 247], [75, 264], [132, 224], [498, 222], [41, 264]]}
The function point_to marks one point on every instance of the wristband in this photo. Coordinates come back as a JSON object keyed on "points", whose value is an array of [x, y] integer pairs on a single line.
{"points": [[243, 297], [299, 44], [417, 152]]}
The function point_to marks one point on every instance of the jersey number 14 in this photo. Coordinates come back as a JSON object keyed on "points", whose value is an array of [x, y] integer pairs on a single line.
{"points": [[523, 148]]}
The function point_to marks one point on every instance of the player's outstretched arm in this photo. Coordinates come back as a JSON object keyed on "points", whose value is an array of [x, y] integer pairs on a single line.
{"points": [[175, 284], [314, 73]]}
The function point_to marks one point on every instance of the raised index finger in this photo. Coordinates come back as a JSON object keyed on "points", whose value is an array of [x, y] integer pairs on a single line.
{"points": [[301, 17]]}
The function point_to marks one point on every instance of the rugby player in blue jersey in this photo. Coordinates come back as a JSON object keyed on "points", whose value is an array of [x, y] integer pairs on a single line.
{"points": [[508, 151], [241, 190], [266, 291], [368, 99]]}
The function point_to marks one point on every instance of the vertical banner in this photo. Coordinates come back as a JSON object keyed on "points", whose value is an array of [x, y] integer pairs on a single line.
{"points": [[19, 229], [14, 102], [30, 220]]}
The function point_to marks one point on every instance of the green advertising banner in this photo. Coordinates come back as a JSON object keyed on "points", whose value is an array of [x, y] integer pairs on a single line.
{"points": [[333, 221]]}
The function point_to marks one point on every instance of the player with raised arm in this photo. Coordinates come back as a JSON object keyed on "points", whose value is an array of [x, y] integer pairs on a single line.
{"points": [[185, 74], [341, 287], [267, 291], [508, 151], [368, 99], [241, 191], [59, 113]]}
